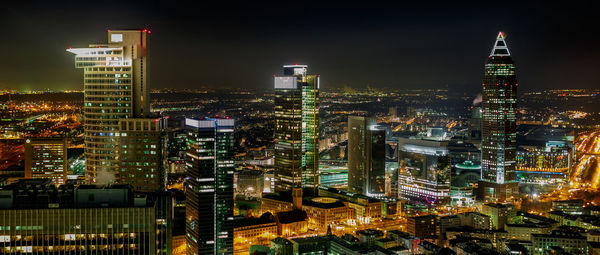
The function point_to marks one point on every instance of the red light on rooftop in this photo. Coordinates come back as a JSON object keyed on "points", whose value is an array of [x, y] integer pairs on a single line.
{"points": [[149, 32], [108, 30]]}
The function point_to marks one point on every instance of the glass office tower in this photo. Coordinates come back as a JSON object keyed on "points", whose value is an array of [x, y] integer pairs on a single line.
{"points": [[209, 186], [296, 128], [499, 125], [366, 156], [424, 171]]}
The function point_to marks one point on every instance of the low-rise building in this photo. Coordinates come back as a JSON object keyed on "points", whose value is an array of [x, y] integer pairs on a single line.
{"points": [[282, 246], [424, 227], [366, 208], [310, 245], [406, 240], [498, 213], [275, 203], [254, 230], [367, 237], [523, 232], [451, 221], [386, 243], [571, 242], [342, 246], [516, 248], [474, 248], [571, 206], [324, 211], [476, 220], [37, 217], [291, 223]]}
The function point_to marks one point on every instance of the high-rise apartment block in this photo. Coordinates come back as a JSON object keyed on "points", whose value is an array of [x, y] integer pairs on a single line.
{"points": [[366, 156], [141, 153], [209, 187], [296, 128], [115, 78], [46, 158], [499, 125]]}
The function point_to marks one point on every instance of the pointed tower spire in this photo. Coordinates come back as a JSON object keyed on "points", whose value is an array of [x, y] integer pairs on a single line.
{"points": [[500, 47]]}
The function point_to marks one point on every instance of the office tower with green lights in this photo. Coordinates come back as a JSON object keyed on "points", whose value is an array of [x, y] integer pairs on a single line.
{"points": [[209, 186], [296, 128], [499, 125]]}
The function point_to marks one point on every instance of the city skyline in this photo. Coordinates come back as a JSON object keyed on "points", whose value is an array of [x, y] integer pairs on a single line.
{"points": [[384, 46], [340, 165]]}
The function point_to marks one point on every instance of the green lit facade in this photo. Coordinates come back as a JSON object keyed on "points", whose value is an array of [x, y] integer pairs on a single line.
{"points": [[296, 128], [499, 125], [209, 186], [310, 131]]}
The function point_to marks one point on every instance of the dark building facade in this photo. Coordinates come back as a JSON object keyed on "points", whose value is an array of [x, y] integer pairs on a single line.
{"points": [[366, 156], [36, 217], [141, 154], [499, 125], [209, 186], [296, 128]]}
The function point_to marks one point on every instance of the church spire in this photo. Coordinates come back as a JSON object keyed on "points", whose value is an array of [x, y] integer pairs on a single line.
{"points": [[500, 47]]}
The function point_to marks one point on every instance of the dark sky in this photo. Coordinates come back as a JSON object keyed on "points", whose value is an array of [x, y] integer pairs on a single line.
{"points": [[402, 44]]}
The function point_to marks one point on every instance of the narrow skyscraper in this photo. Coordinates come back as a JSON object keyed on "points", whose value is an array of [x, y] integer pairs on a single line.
{"points": [[499, 125], [366, 156], [115, 77], [209, 187], [296, 128]]}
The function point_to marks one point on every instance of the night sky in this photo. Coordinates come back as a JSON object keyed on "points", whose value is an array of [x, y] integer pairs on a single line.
{"points": [[241, 45]]}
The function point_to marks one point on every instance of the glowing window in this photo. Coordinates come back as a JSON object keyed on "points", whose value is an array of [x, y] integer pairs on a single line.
{"points": [[116, 37]]}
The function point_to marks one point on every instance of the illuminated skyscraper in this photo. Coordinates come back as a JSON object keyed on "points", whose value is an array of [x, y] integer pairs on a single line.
{"points": [[296, 128], [115, 76], [209, 186], [499, 125], [366, 156], [141, 153]]}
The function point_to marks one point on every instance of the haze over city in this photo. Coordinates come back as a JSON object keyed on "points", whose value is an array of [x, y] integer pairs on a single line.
{"points": [[241, 44]]}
